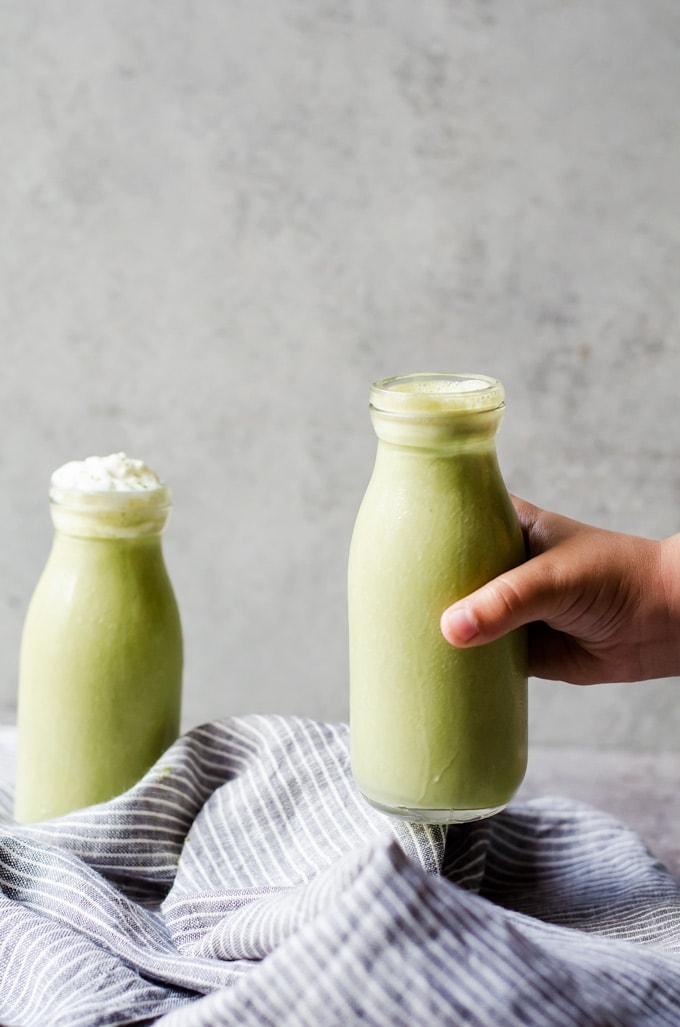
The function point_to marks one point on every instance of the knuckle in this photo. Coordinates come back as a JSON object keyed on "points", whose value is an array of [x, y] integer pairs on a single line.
{"points": [[505, 600]]}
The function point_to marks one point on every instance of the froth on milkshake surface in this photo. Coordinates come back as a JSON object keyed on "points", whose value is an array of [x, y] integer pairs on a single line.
{"points": [[442, 385], [114, 473], [438, 393]]}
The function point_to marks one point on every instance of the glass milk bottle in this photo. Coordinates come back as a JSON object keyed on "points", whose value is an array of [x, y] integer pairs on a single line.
{"points": [[100, 669], [438, 734]]}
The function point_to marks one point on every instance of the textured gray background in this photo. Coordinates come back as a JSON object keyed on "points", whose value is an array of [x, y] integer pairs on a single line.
{"points": [[220, 221]]}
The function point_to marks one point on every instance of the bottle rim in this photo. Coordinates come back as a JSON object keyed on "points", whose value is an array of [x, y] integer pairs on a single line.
{"points": [[130, 513], [437, 392], [159, 497]]}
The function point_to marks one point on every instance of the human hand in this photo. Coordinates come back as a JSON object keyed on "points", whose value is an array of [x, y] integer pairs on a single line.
{"points": [[600, 605]]}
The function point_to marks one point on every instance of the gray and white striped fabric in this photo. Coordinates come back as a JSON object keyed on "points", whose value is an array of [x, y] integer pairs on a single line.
{"points": [[244, 881]]}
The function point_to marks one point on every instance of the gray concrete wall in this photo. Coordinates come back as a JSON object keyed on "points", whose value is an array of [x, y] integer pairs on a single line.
{"points": [[220, 221]]}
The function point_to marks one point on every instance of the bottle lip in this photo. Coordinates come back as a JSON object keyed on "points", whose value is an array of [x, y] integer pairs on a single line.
{"points": [[93, 500], [436, 392], [111, 514]]}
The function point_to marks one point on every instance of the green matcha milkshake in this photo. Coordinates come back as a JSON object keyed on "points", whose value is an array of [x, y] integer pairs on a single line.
{"points": [[437, 734], [100, 668]]}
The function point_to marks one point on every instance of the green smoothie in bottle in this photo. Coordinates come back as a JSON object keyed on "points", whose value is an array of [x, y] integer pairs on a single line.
{"points": [[438, 734], [100, 668]]}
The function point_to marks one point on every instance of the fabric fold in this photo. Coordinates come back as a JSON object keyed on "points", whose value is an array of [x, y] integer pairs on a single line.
{"points": [[245, 881]]}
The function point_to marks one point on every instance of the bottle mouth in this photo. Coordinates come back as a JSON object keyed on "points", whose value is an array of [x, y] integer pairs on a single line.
{"points": [[102, 499], [106, 514], [437, 393]]}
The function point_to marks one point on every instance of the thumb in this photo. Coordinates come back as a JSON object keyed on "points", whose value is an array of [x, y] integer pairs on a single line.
{"points": [[514, 598]]}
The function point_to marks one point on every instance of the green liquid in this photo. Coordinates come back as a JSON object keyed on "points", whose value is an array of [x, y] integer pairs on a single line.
{"points": [[100, 674], [437, 733]]}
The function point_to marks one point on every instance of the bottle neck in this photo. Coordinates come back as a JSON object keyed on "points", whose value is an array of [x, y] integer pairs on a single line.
{"points": [[110, 515]]}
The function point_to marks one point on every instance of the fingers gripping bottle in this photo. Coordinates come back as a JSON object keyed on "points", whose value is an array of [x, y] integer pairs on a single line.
{"points": [[438, 734], [100, 669]]}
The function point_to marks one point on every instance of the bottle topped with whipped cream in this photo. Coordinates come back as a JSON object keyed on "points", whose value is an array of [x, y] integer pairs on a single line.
{"points": [[100, 669], [108, 496]]}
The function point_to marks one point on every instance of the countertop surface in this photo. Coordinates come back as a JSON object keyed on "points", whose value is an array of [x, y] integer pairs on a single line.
{"points": [[640, 789]]}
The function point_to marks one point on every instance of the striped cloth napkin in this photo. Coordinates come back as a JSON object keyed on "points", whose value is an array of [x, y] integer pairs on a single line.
{"points": [[244, 881]]}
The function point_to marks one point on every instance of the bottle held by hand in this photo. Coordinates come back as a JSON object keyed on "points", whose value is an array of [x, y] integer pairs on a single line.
{"points": [[438, 734]]}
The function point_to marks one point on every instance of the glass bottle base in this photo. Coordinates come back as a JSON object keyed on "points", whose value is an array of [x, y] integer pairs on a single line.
{"points": [[436, 816]]}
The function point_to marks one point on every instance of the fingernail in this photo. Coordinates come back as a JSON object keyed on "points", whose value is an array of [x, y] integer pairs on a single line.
{"points": [[459, 624]]}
